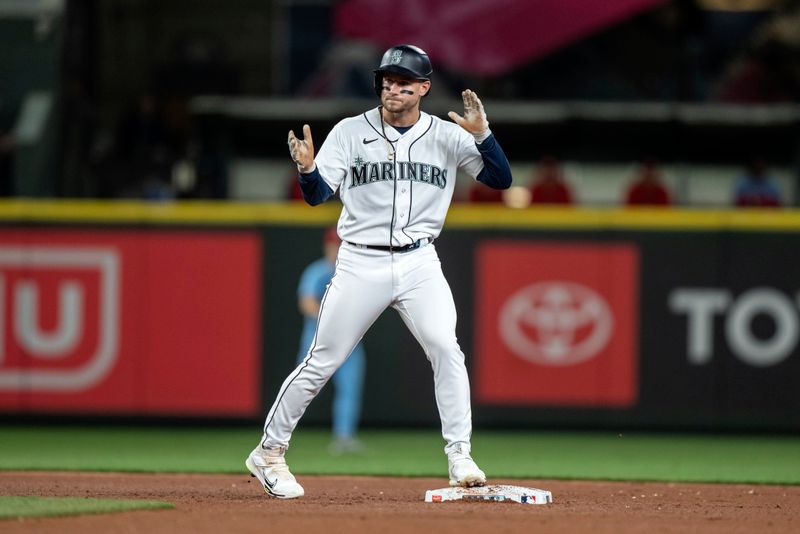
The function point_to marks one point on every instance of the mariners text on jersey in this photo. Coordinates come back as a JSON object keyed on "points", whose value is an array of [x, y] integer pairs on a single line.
{"points": [[368, 172]]}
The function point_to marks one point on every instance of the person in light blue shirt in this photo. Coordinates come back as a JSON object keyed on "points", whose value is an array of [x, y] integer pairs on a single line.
{"points": [[348, 381], [756, 188]]}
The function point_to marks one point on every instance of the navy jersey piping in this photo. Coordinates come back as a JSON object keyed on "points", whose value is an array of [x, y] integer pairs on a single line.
{"points": [[373, 127], [411, 182], [382, 133]]}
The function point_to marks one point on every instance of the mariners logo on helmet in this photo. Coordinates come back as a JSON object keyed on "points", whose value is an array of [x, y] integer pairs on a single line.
{"points": [[406, 60]]}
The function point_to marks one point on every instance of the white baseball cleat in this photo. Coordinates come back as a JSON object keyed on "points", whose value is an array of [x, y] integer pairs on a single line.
{"points": [[269, 467], [463, 470]]}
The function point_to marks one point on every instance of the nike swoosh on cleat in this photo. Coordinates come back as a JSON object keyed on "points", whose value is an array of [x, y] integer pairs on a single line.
{"points": [[270, 483], [368, 142]]}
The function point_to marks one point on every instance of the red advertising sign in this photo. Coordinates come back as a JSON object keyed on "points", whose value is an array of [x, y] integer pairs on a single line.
{"points": [[483, 38], [556, 324], [140, 322]]}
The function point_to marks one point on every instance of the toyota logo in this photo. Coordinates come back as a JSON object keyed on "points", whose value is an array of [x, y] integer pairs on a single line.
{"points": [[556, 323]]}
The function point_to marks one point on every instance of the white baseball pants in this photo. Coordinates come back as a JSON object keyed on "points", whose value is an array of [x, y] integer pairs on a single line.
{"points": [[366, 282]]}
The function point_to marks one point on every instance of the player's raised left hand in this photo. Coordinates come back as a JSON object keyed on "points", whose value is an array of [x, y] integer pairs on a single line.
{"points": [[302, 150], [474, 120]]}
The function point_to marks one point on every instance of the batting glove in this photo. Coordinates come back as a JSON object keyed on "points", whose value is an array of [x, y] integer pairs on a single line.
{"points": [[474, 120], [302, 150]]}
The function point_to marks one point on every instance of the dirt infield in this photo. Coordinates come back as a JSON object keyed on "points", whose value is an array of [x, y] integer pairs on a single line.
{"points": [[236, 503]]}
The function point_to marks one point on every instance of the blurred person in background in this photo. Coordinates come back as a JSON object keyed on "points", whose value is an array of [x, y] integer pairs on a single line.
{"points": [[768, 68], [480, 194], [755, 188], [348, 381], [647, 188], [145, 149], [548, 185], [293, 191]]}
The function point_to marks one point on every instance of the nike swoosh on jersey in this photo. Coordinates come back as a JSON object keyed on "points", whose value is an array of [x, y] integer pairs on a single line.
{"points": [[366, 142]]}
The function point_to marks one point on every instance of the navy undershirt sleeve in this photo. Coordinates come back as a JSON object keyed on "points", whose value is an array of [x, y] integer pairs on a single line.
{"points": [[315, 190], [496, 171]]}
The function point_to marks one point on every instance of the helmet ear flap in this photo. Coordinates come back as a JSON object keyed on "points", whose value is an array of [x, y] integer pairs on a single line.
{"points": [[378, 82]]}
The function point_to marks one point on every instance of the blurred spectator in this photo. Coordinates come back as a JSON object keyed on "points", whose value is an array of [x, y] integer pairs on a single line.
{"points": [[756, 188], [647, 188], [548, 187], [207, 156], [145, 148], [481, 194], [768, 69], [293, 190]]}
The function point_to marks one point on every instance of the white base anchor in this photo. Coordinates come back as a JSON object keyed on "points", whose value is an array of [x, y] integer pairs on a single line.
{"points": [[491, 493]]}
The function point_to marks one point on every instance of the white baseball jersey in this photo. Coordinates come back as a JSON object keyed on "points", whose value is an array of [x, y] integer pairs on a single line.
{"points": [[358, 160]]}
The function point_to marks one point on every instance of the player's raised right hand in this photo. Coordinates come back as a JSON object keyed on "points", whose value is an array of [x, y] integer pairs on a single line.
{"points": [[474, 120], [302, 150]]}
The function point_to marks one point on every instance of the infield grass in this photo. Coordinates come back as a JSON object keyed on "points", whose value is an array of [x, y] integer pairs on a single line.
{"points": [[520, 455], [15, 506]]}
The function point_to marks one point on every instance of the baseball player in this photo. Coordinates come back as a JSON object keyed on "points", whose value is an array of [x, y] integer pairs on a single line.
{"points": [[395, 169], [348, 380]]}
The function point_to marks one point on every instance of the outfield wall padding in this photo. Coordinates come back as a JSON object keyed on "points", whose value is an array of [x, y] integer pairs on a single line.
{"points": [[581, 318]]}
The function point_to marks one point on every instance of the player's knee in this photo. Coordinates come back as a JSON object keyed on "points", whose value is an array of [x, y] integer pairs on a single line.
{"points": [[319, 368], [445, 350]]}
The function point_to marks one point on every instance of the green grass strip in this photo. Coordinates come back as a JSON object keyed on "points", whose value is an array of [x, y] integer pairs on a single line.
{"points": [[764, 459], [14, 507]]}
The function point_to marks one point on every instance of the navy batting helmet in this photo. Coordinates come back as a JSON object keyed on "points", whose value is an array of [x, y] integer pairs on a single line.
{"points": [[407, 60]]}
